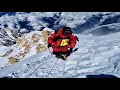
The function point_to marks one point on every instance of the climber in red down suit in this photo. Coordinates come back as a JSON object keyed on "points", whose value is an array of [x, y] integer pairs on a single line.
{"points": [[62, 41]]}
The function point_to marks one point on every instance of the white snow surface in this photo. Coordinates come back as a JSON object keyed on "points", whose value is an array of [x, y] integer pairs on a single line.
{"points": [[17, 49], [95, 55]]}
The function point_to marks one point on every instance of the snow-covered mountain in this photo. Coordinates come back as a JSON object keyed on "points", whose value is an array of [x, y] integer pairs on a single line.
{"points": [[37, 20], [96, 23], [96, 52], [8, 37], [26, 46]]}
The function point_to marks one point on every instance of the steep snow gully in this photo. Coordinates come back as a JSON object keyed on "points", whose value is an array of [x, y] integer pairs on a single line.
{"points": [[93, 56]]}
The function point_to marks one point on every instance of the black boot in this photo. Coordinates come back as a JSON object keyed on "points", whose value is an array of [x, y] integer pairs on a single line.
{"points": [[57, 56]]}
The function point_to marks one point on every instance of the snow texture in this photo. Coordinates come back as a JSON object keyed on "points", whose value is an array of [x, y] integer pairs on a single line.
{"points": [[97, 52], [95, 55]]}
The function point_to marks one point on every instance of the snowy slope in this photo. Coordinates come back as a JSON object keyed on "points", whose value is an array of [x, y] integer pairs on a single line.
{"points": [[95, 55], [9, 33], [8, 37], [98, 50], [27, 45]]}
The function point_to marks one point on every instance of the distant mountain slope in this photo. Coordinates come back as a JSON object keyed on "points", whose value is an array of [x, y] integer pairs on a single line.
{"points": [[101, 23]]}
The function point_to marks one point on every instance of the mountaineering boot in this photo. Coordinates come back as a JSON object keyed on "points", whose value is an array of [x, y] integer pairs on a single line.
{"points": [[57, 56], [64, 56]]}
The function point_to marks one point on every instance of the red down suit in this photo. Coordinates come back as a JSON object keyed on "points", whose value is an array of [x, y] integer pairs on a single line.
{"points": [[61, 43]]}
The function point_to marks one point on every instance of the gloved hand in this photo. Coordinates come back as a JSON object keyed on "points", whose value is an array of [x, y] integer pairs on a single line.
{"points": [[70, 50], [49, 45]]}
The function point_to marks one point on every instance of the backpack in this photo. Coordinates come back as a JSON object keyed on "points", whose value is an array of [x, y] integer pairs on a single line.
{"points": [[64, 42]]}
